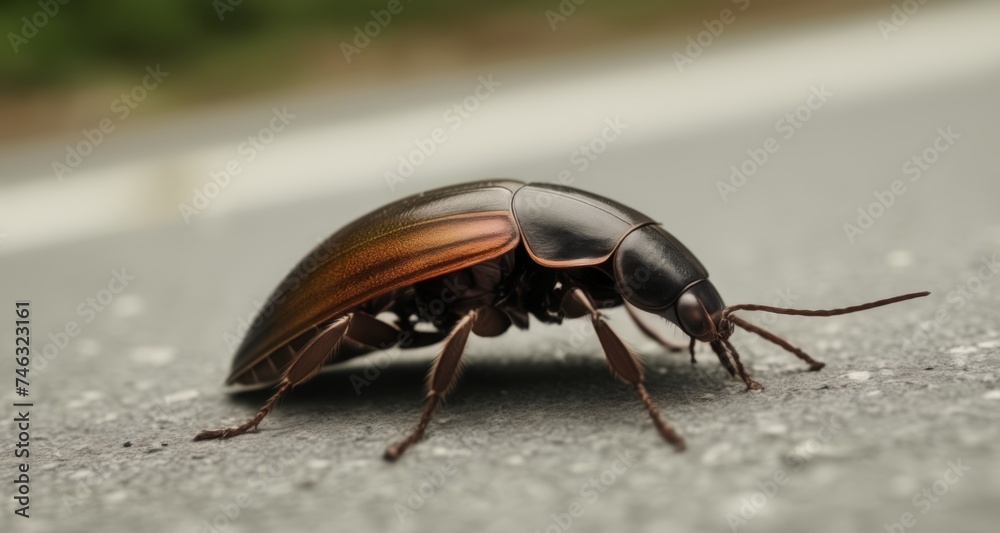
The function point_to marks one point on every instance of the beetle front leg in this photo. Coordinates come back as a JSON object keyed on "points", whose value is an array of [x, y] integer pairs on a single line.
{"points": [[730, 359], [624, 364], [648, 331]]}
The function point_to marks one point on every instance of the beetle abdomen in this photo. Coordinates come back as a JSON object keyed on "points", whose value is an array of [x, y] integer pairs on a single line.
{"points": [[414, 239]]}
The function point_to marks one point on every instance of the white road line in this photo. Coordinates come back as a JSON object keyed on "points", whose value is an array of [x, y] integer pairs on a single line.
{"points": [[734, 79]]}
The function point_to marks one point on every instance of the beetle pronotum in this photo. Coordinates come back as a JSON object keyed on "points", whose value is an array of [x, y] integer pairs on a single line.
{"points": [[505, 251]]}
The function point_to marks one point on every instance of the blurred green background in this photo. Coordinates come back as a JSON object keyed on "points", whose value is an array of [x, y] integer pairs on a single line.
{"points": [[64, 76]]}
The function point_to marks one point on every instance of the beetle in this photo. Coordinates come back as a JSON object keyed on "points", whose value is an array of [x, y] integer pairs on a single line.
{"points": [[478, 258]]}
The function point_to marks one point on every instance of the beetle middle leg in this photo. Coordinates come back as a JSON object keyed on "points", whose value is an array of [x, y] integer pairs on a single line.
{"points": [[485, 322], [625, 365], [359, 327]]}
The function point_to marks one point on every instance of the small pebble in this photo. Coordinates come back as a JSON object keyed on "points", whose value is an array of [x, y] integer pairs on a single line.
{"points": [[832, 327], [864, 375], [181, 396], [514, 460], [904, 486], [92, 395], [127, 305], [440, 451], [116, 497], [963, 350], [87, 347], [716, 454], [81, 474], [318, 464], [774, 429], [899, 258], [153, 355], [128, 444]]}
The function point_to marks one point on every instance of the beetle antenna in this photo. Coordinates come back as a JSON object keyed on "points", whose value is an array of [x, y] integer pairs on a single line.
{"points": [[813, 364], [820, 312]]}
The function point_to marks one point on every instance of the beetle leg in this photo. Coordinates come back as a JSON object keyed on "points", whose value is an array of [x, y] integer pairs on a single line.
{"points": [[358, 326], [249, 424], [625, 365], [730, 359], [648, 331], [306, 364], [368, 330], [368, 333], [491, 322], [724, 359], [442, 378], [752, 384]]}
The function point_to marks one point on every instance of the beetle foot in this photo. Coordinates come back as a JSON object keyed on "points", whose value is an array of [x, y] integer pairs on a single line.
{"points": [[210, 435], [753, 384], [393, 453], [229, 433], [223, 434], [816, 366]]}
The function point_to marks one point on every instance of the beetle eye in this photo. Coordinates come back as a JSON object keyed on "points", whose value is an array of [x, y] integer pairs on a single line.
{"points": [[693, 317]]}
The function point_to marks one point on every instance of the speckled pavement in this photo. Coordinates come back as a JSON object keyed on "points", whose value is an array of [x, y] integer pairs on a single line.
{"points": [[899, 432]]}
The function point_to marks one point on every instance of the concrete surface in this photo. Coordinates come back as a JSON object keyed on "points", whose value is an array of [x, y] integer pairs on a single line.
{"points": [[537, 426]]}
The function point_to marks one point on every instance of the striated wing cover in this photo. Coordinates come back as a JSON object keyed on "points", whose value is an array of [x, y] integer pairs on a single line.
{"points": [[416, 238]]}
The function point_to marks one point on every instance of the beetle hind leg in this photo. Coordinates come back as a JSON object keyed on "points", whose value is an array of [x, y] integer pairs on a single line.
{"points": [[360, 327], [249, 424]]}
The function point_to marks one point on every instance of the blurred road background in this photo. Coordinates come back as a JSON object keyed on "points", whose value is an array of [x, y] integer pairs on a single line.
{"points": [[810, 156]]}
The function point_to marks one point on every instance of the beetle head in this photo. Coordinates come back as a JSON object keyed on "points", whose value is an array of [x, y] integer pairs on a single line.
{"points": [[699, 313], [650, 264]]}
